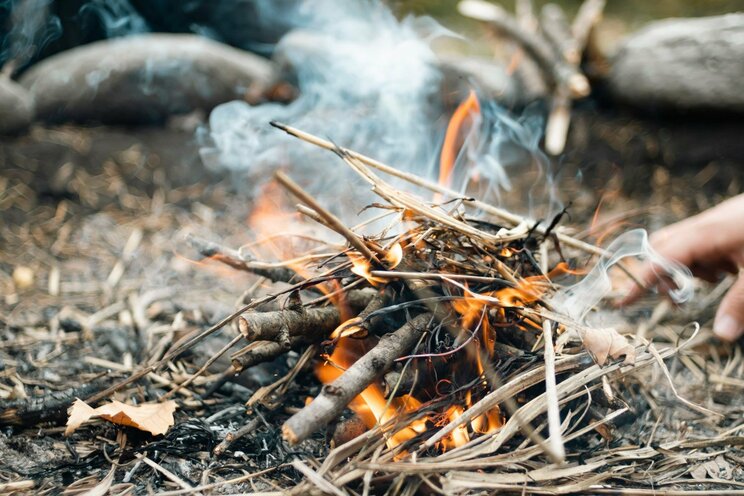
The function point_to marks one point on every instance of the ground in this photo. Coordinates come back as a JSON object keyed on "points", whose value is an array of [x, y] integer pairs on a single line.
{"points": [[99, 216]]}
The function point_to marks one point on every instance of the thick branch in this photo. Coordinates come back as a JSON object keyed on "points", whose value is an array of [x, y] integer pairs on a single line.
{"points": [[334, 397]]}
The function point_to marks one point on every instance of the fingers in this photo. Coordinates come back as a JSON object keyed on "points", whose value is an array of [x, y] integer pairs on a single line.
{"points": [[729, 321]]}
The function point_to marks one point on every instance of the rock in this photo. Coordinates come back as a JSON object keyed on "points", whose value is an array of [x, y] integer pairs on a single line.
{"points": [[460, 74], [682, 64], [144, 78], [16, 107]]}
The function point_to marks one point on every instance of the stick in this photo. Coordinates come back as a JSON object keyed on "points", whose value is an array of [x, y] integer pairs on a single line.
{"points": [[503, 215], [235, 260], [589, 15], [334, 397], [233, 436], [557, 31], [50, 407], [332, 221], [551, 394], [559, 120], [557, 72], [255, 353], [313, 324], [500, 213]]}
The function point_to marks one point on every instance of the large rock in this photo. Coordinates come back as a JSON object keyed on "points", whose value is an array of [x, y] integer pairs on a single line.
{"points": [[16, 107], [143, 78], [688, 64]]}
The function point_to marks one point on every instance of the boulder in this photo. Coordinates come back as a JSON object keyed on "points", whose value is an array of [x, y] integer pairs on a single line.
{"points": [[682, 64], [16, 107], [144, 78]]}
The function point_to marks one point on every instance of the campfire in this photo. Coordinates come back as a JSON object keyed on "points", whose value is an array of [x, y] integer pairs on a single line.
{"points": [[335, 247]]}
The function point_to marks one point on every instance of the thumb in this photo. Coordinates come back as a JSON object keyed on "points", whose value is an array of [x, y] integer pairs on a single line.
{"points": [[729, 321]]}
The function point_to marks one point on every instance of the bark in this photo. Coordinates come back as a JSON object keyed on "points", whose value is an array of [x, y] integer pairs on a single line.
{"points": [[313, 324], [143, 78], [334, 397]]}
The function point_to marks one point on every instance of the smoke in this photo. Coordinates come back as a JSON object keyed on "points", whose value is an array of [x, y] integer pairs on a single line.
{"points": [[576, 301], [502, 148], [366, 81], [28, 29], [117, 17]]}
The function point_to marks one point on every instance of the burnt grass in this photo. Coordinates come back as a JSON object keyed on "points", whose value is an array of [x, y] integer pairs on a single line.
{"points": [[71, 199]]}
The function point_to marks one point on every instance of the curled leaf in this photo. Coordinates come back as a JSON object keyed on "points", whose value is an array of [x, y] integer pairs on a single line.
{"points": [[607, 342], [155, 418]]}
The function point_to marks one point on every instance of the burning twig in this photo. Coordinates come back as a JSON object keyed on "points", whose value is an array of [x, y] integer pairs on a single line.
{"points": [[330, 219], [335, 396]]}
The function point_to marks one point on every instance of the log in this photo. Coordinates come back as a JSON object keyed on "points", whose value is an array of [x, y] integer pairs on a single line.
{"points": [[313, 324], [143, 78], [16, 107], [334, 397], [682, 64]]}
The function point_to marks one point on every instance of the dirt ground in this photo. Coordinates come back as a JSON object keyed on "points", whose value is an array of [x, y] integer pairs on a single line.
{"points": [[99, 216]]}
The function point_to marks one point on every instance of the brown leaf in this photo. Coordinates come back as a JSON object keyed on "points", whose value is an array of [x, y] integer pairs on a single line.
{"points": [[603, 343], [155, 418]]}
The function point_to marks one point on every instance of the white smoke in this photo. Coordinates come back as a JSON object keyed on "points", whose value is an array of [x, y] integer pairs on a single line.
{"points": [[365, 80], [501, 148], [576, 301]]}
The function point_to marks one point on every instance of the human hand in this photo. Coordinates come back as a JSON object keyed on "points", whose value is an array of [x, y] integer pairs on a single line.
{"points": [[710, 244]]}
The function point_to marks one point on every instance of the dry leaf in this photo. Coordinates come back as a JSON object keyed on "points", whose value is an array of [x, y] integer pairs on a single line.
{"points": [[607, 342], [155, 418]]}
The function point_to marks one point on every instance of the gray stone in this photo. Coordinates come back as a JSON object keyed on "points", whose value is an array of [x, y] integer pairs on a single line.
{"points": [[16, 107], [144, 78], [688, 64]]}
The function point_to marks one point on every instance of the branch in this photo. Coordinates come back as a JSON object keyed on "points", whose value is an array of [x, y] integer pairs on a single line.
{"points": [[334, 397]]}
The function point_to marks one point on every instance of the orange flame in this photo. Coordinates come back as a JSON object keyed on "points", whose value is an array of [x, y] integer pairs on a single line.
{"points": [[362, 267], [371, 405], [453, 138]]}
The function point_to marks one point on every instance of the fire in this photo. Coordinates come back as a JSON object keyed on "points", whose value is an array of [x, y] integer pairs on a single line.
{"points": [[362, 267], [462, 118], [351, 342], [371, 405]]}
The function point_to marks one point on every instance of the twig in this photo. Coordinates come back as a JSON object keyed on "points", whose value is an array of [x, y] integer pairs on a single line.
{"points": [[557, 71], [334, 397], [313, 323], [504, 215], [551, 394], [589, 14], [233, 436], [234, 259], [332, 221]]}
